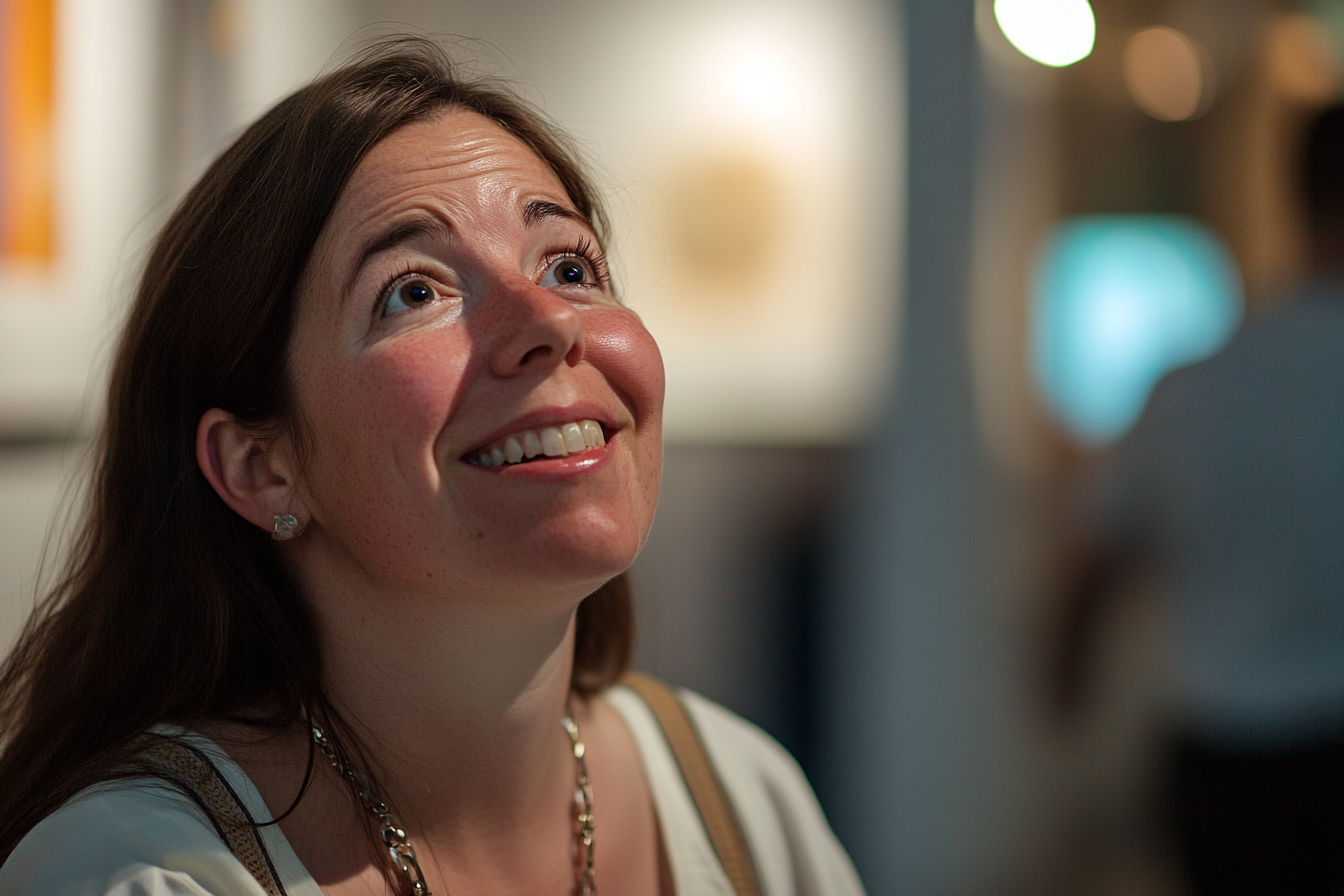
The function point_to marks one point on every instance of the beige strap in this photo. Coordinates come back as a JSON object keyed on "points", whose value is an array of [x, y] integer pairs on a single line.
{"points": [[226, 811], [725, 834]]}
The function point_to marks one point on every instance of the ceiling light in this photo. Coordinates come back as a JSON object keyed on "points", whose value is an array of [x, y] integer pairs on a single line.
{"points": [[1052, 32]]}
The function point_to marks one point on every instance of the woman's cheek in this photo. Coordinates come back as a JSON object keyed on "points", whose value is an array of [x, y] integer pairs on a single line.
{"points": [[625, 353], [384, 410], [413, 380], [623, 350]]}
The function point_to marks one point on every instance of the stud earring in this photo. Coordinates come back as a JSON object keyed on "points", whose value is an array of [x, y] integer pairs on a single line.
{"points": [[287, 526]]}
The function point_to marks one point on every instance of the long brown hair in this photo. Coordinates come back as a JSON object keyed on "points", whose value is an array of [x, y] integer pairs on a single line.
{"points": [[172, 608]]}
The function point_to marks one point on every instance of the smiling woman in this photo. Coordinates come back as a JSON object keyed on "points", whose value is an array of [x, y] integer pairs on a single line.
{"points": [[348, 612]]}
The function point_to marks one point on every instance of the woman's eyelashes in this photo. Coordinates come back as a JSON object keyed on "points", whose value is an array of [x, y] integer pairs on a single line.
{"points": [[582, 266]]}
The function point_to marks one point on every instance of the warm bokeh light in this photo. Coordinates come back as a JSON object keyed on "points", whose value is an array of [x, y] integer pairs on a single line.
{"points": [[760, 78], [1119, 302], [1168, 74], [1301, 61], [1052, 32]]}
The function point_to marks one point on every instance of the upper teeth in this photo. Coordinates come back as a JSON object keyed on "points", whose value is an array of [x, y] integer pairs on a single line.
{"points": [[552, 441]]}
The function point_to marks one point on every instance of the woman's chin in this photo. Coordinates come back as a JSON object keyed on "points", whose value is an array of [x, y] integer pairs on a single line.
{"points": [[578, 572], [594, 542]]}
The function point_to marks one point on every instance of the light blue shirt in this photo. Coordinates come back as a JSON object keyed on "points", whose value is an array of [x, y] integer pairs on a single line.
{"points": [[1231, 486]]}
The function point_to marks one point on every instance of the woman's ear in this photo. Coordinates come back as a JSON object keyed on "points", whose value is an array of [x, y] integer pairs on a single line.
{"points": [[255, 478]]}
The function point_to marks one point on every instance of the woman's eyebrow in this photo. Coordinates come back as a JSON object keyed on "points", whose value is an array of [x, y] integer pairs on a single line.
{"points": [[423, 224], [539, 210]]}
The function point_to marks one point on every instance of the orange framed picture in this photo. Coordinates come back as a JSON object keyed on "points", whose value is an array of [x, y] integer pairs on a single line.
{"points": [[27, 164]]}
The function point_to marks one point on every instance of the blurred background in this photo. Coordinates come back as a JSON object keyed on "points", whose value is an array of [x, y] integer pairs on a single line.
{"points": [[915, 268]]}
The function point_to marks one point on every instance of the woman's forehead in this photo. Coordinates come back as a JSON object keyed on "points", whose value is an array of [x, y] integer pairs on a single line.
{"points": [[460, 158], [460, 172]]}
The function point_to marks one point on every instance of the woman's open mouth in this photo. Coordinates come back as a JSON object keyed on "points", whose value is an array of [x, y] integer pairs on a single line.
{"points": [[547, 441]]}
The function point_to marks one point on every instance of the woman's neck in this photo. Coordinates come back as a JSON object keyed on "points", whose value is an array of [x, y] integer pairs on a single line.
{"points": [[460, 705], [457, 698]]}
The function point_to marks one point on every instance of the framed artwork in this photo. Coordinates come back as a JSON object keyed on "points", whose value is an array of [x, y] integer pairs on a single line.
{"points": [[79, 143], [27, 94]]}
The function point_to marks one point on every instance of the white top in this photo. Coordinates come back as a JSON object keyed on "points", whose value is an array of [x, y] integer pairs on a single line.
{"points": [[143, 838]]}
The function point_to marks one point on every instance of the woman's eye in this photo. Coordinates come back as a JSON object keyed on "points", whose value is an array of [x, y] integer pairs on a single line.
{"points": [[408, 294], [567, 272]]}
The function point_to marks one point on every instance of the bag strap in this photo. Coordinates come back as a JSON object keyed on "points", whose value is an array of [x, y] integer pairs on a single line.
{"points": [[688, 749], [234, 824]]}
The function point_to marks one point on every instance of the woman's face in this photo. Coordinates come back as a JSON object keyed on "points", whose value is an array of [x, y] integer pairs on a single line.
{"points": [[482, 413]]}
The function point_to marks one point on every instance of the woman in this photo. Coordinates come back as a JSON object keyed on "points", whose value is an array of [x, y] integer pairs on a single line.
{"points": [[377, 427]]}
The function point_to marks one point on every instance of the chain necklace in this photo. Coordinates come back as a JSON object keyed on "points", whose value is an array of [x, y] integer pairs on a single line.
{"points": [[403, 854], [583, 806]]}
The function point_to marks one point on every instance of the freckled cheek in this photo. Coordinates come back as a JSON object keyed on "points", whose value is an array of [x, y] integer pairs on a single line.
{"points": [[392, 404], [624, 352]]}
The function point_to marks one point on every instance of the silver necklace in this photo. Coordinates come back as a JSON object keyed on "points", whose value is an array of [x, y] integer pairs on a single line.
{"points": [[403, 853]]}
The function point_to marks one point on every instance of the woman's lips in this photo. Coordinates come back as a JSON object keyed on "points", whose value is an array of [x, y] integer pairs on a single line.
{"points": [[546, 441]]}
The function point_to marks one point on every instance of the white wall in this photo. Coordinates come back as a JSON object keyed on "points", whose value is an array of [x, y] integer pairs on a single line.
{"points": [[55, 321], [32, 480]]}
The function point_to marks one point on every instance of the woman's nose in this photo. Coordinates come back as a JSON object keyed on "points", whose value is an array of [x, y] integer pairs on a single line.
{"points": [[538, 331]]}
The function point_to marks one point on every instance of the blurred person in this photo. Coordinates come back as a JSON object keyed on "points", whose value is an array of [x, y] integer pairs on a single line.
{"points": [[348, 612], [1229, 493]]}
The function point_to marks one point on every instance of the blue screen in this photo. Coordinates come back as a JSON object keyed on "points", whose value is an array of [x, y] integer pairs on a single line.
{"points": [[1118, 302]]}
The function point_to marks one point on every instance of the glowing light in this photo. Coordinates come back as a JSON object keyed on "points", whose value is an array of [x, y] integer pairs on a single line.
{"points": [[1052, 32], [746, 75], [1300, 58], [1119, 302], [757, 78], [1168, 74]]}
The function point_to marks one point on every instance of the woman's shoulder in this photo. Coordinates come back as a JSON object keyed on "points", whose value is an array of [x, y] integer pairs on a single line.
{"points": [[792, 845], [146, 837], [740, 748], [131, 838]]}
